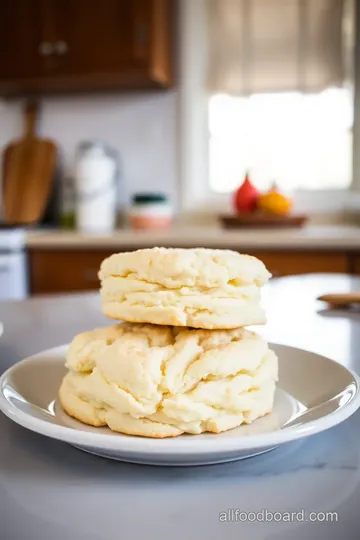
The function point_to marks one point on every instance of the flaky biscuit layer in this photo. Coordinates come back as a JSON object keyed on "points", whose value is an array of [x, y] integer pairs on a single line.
{"points": [[201, 288], [159, 381]]}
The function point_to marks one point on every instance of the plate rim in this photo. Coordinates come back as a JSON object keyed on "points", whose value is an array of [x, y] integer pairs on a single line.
{"points": [[187, 444]]}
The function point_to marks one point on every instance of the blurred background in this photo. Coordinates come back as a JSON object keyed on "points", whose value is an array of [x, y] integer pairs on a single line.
{"points": [[132, 123]]}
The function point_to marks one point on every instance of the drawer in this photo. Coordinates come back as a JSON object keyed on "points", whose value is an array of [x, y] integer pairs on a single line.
{"points": [[64, 271], [292, 263], [355, 263]]}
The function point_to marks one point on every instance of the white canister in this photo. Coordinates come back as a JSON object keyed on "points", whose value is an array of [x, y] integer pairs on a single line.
{"points": [[96, 190]]}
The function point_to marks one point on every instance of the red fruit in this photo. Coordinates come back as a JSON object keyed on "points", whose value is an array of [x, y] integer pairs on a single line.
{"points": [[245, 197]]}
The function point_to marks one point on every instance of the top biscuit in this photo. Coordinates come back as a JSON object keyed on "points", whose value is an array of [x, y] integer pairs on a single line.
{"points": [[202, 288], [174, 268]]}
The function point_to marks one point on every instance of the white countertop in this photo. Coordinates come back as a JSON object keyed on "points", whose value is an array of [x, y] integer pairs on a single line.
{"points": [[51, 491], [320, 237]]}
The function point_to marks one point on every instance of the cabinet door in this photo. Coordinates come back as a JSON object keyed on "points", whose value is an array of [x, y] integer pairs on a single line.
{"points": [[72, 45], [293, 263], [64, 271], [94, 37], [21, 37], [355, 264]]}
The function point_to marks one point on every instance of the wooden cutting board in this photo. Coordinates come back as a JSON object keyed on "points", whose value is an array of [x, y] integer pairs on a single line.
{"points": [[341, 299], [29, 166]]}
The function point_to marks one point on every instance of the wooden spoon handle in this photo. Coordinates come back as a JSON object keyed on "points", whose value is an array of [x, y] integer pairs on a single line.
{"points": [[341, 299]]}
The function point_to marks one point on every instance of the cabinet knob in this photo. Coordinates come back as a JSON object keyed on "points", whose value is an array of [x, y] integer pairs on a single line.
{"points": [[61, 47], [46, 48]]}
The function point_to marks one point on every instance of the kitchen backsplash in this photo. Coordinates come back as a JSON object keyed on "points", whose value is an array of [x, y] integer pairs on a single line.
{"points": [[141, 128]]}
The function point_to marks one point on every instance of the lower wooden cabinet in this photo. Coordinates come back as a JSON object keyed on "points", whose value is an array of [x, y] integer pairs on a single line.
{"points": [[64, 271], [61, 271], [294, 263], [356, 264]]}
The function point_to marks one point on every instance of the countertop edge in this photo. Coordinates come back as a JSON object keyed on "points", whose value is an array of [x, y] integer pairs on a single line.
{"points": [[308, 238]]}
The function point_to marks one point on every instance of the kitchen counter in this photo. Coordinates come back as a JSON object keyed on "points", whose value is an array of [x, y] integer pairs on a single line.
{"points": [[49, 490], [325, 238]]}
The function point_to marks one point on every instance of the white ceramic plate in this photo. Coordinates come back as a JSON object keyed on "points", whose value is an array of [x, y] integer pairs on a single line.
{"points": [[314, 394]]}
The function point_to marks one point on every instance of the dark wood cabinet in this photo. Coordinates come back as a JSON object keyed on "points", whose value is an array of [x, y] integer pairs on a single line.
{"points": [[289, 263], [65, 270], [355, 263], [99, 39], [85, 45], [22, 31]]}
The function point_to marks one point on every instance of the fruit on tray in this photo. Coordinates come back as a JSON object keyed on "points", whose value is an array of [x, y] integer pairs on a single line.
{"points": [[274, 202], [246, 196]]}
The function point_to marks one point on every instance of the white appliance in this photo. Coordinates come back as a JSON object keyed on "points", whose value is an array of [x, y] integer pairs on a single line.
{"points": [[95, 187], [13, 264]]}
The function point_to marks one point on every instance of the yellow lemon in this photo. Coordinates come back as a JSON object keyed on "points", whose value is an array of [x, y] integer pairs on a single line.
{"points": [[274, 202]]}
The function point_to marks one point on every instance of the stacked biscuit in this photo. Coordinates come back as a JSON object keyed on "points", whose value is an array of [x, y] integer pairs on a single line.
{"points": [[183, 361]]}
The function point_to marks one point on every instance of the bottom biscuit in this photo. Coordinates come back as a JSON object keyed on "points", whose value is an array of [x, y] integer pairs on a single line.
{"points": [[88, 414], [157, 425], [158, 381]]}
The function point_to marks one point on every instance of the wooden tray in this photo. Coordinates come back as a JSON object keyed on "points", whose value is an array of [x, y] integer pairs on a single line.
{"points": [[262, 220]]}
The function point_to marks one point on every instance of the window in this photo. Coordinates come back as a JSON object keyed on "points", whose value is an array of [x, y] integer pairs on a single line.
{"points": [[301, 141], [291, 121]]}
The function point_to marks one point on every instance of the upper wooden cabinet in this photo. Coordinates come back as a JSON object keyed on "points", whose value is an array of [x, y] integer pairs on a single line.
{"points": [[21, 33], [85, 45]]}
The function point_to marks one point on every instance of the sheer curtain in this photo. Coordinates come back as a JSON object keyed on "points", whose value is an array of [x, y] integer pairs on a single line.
{"points": [[262, 46]]}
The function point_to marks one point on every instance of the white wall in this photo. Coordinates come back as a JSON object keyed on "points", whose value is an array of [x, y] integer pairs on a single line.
{"points": [[141, 127]]}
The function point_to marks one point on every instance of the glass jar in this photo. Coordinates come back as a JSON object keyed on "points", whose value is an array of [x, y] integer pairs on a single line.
{"points": [[150, 211]]}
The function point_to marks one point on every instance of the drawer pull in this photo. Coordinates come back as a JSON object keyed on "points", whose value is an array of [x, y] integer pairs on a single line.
{"points": [[46, 48], [61, 48]]}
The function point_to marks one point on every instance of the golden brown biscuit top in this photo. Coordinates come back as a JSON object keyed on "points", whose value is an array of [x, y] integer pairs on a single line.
{"points": [[174, 268]]}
